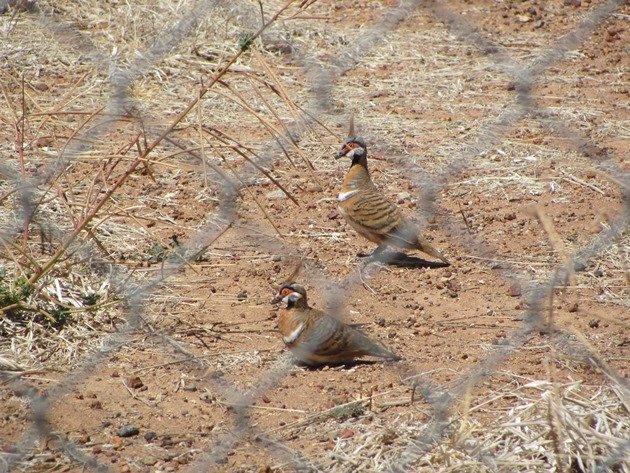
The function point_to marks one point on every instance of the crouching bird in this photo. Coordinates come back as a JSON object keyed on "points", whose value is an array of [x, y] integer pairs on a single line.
{"points": [[372, 214], [315, 337]]}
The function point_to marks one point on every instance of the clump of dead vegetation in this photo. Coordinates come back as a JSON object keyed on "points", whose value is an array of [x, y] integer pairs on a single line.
{"points": [[526, 425], [97, 226]]}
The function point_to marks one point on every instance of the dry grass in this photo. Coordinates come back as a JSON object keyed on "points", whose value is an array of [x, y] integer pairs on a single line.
{"points": [[121, 186], [505, 430]]}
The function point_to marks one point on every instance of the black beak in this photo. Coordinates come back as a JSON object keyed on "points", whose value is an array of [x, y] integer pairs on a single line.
{"points": [[276, 299], [341, 153]]}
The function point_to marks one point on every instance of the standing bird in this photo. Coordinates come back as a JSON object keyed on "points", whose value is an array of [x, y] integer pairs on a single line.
{"points": [[315, 337], [370, 213]]}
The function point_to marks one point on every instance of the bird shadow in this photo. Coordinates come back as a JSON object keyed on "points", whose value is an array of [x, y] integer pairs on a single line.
{"points": [[403, 260]]}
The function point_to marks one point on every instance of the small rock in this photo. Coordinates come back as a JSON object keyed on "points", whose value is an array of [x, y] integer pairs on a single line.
{"points": [[573, 307], [128, 431], [41, 86], [388, 437], [190, 387], [594, 323], [43, 141], [403, 196], [598, 273], [572, 3], [117, 443], [265, 399], [313, 187], [510, 216], [579, 266], [381, 322], [276, 194], [515, 290], [134, 382], [276, 258], [453, 286], [206, 396], [150, 435], [332, 215], [241, 296], [96, 405]]}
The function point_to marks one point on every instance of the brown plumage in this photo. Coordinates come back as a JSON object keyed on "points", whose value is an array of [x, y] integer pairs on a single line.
{"points": [[315, 337], [372, 214]]}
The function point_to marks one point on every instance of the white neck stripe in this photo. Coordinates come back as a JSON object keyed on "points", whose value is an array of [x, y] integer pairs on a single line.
{"points": [[293, 336], [343, 196]]}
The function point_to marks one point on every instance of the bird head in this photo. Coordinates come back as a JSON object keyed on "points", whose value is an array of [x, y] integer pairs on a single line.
{"points": [[354, 147], [292, 294]]}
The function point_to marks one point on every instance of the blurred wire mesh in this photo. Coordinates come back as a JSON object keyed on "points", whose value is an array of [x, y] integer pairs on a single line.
{"points": [[123, 105]]}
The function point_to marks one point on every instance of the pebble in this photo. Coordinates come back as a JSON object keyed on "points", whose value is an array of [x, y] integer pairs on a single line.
{"points": [[403, 196], [276, 194], [594, 323], [579, 266], [515, 290], [41, 86], [128, 431], [96, 405], [134, 382], [313, 187], [150, 435]]}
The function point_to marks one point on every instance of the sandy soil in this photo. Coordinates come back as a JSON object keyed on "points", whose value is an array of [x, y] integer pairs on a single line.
{"points": [[427, 104]]}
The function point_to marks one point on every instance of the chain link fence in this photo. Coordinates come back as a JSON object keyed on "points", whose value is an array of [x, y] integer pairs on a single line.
{"points": [[322, 76]]}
